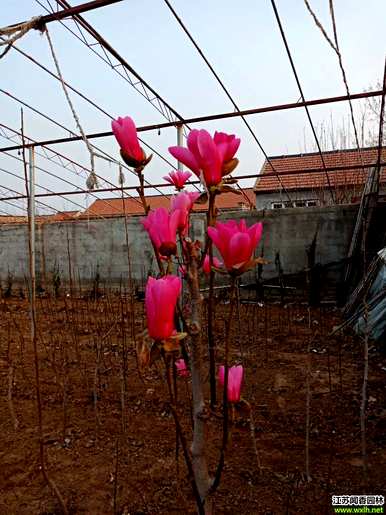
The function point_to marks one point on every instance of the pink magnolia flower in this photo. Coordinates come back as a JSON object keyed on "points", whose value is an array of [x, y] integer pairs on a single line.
{"points": [[126, 134], [235, 380], [182, 369], [227, 144], [206, 264], [235, 242], [206, 156], [160, 302], [162, 228], [183, 202], [178, 178]]}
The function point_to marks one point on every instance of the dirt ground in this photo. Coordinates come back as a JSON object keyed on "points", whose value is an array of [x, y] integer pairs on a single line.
{"points": [[111, 448]]}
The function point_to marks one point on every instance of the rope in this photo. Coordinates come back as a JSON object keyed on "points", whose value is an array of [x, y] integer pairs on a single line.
{"points": [[15, 32], [335, 47], [92, 180], [121, 176]]}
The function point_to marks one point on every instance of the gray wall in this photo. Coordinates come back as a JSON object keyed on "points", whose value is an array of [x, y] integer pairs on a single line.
{"points": [[264, 200], [290, 232], [101, 244], [344, 195]]}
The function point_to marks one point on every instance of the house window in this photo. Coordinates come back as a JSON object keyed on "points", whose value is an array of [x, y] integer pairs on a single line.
{"points": [[297, 203]]}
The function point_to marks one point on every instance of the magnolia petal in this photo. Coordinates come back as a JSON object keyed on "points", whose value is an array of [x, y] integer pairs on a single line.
{"points": [[215, 235], [255, 232], [239, 249], [193, 145], [186, 157], [233, 146], [118, 133], [220, 137], [211, 164]]}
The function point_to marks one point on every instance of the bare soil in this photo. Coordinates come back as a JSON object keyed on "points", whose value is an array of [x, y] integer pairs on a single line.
{"points": [[112, 449]]}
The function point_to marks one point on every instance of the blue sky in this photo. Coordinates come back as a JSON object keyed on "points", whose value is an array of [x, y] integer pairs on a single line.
{"points": [[242, 41]]}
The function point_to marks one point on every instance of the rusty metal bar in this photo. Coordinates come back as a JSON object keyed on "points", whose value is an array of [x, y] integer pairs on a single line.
{"points": [[106, 45], [221, 116], [72, 11], [240, 177]]}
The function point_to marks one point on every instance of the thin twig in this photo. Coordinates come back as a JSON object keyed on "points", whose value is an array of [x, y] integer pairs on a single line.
{"points": [[364, 393], [220, 466], [50, 482], [181, 437], [211, 219], [11, 375]]}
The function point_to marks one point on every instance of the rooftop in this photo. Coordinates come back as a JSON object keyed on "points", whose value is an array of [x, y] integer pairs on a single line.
{"points": [[313, 180], [132, 205], [57, 217]]}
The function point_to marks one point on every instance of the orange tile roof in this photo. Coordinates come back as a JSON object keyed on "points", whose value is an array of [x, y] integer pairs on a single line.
{"points": [[132, 205], [9, 219], [57, 217], [314, 180]]}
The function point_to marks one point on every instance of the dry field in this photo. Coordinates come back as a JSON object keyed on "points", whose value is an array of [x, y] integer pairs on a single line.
{"points": [[109, 436]]}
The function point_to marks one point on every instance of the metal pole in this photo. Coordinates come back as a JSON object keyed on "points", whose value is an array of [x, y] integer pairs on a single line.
{"points": [[31, 247], [31, 209], [180, 133]]}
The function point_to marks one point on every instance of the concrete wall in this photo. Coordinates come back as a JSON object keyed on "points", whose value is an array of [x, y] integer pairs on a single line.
{"points": [[100, 245], [290, 231]]}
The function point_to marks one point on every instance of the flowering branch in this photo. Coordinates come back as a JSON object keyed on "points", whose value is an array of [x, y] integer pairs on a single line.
{"points": [[211, 218], [211, 159]]}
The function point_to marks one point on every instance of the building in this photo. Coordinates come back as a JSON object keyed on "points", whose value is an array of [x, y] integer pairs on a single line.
{"points": [[300, 183], [60, 216], [131, 206]]}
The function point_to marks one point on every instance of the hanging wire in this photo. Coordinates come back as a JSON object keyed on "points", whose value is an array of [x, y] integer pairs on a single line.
{"points": [[335, 47], [162, 106], [281, 29], [50, 191], [96, 106], [226, 91], [10, 138]]}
